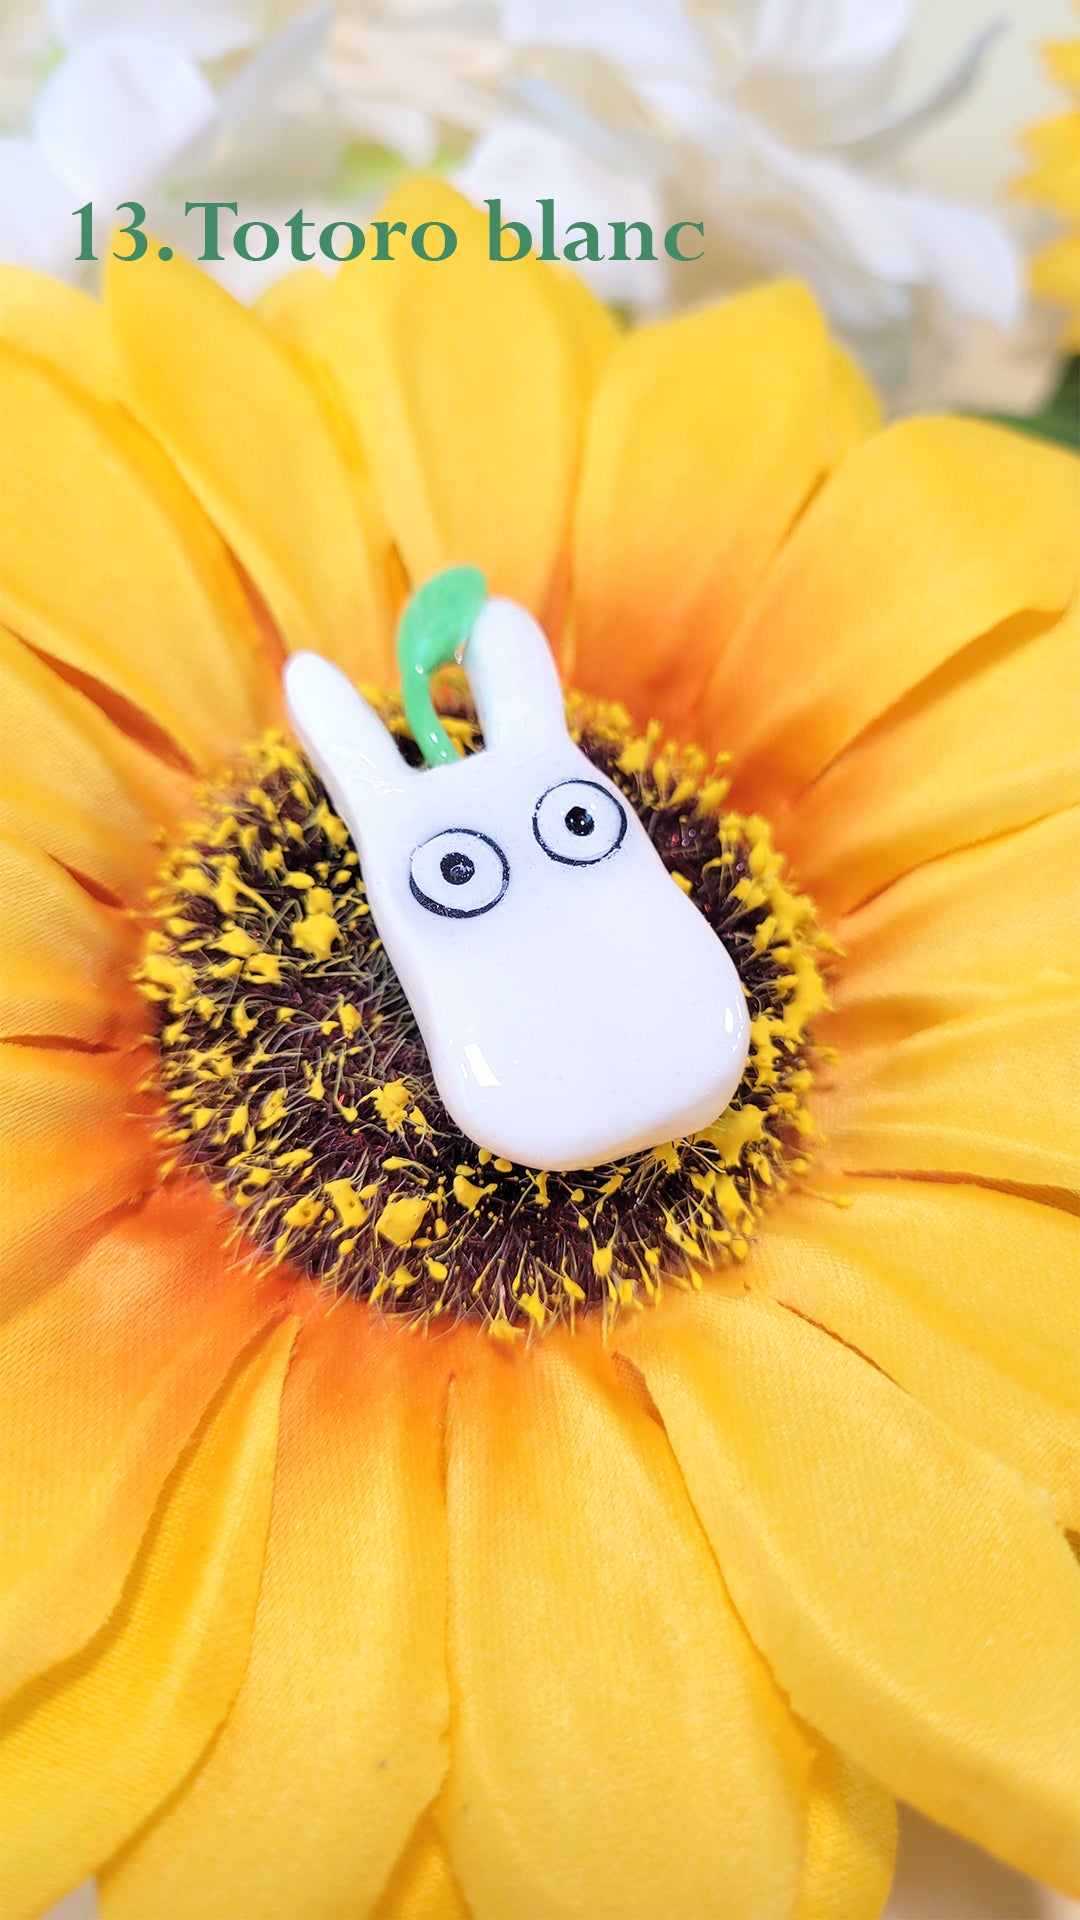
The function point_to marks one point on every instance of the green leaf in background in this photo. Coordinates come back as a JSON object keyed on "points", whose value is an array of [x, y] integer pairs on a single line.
{"points": [[1059, 420]]}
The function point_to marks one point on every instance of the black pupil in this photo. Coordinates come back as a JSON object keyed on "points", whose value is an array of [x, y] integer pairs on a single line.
{"points": [[580, 821], [456, 868]]}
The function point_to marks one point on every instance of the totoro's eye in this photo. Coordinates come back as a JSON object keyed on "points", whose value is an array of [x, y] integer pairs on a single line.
{"points": [[458, 873], [579, 823]]}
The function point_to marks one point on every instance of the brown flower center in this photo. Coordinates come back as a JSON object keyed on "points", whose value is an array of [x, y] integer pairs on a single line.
{"points": [[293, 1075]]}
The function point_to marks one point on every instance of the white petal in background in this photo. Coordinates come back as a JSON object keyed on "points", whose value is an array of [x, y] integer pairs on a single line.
{"points": [[110, 121], [795, 129], [653, 37], [518, 163], [35, 222], [204, 29], [118, 111], [938, 1877]]}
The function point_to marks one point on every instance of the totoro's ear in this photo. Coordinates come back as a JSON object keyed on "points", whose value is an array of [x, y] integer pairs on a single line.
{"points": [[346, 742], [513, 678]]}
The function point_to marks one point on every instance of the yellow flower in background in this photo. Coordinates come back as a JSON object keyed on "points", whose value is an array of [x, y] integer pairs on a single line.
{"points": [[1054, 182], [317, 1598]]}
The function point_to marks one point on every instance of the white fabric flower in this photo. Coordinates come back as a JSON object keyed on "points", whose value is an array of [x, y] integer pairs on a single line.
{"points": [[773, 122], [130, 112]]}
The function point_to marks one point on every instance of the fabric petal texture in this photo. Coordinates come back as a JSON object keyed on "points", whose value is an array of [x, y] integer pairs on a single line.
{"points": [[97, 1744], [824, 651], [909, 1273], [488, 380], [248, 435], [390, 1590], [357, 1550], [119, 515], [75, 1148], [105, 1378], [681, 412], [772, 1421], [560, 1501]]}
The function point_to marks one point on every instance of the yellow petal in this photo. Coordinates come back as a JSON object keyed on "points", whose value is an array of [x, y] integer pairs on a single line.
{"points": [[992, 1097], [58, 324], [91, 1749], [594, 326], [618, 1748], [850, 1841], [338, 1737], [75, 786], [1055, 178], [979, 750], [66, 960], [1062, 61], [927, 536], [423, 1885], [705, 437], [854, 409], [1055, 278], [959, 935], [247, 431], [466, 381], [965, 1297], [104, 1379], [75, 1147], [110, 567], [911, 1594]]}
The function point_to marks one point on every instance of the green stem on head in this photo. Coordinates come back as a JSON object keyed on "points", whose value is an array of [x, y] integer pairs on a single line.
{"points": [[436, 623]]}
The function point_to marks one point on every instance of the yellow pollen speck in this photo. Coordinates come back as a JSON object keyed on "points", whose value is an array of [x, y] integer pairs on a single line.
{"points": [[400, 1220], [316, 935], [503, 1329], [681, 880], [296, 1157], [237, 942], [274, 1108], [634, 758], [468, 1195], [264, 969], [392, 1104], [735, 1129], [335, 830], [350, 1020], [350, 1208], [303, 1213]]}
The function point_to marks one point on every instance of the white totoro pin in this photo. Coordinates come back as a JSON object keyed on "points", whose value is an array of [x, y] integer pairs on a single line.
{"points": [[574, 1003]]}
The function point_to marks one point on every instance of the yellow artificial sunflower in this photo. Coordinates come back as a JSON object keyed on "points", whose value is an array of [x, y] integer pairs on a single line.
{"points": [[394, 1532], [1054, 182]]}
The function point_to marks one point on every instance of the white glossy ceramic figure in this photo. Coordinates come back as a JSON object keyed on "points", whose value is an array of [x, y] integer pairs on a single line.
{"points": [[574, 1003]]}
